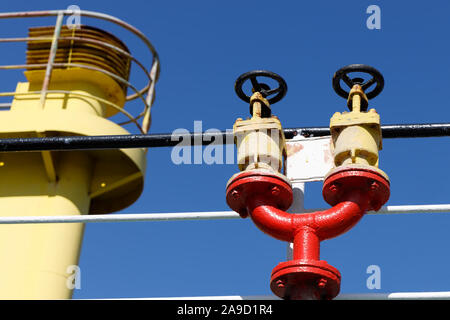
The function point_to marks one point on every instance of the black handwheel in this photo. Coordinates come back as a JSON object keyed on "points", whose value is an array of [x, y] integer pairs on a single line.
{"points": [[342, 74], [263, 88]]}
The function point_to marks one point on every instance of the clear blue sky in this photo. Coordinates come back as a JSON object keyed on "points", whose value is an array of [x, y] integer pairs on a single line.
{"points": [[204, 46]]}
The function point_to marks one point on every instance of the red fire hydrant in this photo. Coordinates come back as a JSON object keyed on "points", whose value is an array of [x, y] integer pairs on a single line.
{"points": [[353, 187]]}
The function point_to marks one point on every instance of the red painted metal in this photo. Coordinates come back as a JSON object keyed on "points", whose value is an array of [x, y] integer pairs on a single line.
{"points": [[345, 179], [265, 197], [271, 187], [305, 280]]}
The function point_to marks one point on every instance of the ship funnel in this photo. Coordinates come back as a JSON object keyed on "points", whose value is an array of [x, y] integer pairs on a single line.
{"points": [[76, 83]]}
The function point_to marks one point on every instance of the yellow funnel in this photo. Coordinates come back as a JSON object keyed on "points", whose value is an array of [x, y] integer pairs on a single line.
{"points": [[37, 260]]}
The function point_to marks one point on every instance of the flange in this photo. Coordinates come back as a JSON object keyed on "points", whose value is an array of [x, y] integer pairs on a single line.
{"points": [[305, 280], [340, 182], [274, 188]]}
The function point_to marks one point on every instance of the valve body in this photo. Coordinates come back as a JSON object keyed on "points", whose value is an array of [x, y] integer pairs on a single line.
{"points": [[260, 140]]}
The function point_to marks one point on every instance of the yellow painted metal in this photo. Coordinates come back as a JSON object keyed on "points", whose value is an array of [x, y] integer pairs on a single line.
{"points": [[77, 80], [260, 141], [37, 260], [356, 135]]}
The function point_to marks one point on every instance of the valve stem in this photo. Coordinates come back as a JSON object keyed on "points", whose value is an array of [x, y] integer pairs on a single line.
{"points": [[357, 99]]}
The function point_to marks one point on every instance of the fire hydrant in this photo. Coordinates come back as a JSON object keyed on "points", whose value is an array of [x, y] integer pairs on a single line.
{"points": [[354, 186]]}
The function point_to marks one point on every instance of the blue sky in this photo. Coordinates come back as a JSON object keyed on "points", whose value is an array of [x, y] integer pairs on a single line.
{"points": [[204, 46]]}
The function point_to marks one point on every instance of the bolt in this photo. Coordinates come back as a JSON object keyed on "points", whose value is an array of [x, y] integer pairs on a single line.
{"points": [[334, 188], [322, 283], [275, 191], [280, 283], [374, 186], [235, 194]]}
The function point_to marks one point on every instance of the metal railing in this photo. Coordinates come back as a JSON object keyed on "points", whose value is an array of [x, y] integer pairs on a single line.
{"points": [[439, 295], [145, 94], [171, 139], [212, 215]]}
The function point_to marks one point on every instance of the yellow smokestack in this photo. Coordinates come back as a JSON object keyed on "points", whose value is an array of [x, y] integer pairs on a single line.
{"points": [[36, 260]]}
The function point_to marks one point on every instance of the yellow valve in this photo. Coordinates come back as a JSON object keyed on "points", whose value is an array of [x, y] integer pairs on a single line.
{"points": [[356, 135], [260, 141]]}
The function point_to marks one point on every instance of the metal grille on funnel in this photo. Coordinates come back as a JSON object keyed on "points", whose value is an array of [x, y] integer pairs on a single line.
{"points": [[79, 51]]}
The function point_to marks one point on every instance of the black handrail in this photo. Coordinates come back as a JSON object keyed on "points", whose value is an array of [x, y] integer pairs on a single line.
{"points": [[196, 138]]}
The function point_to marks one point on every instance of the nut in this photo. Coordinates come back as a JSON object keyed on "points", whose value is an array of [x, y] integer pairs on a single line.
{"points": [[374, 186], [322, 283], [334, 188], [275, 191]]}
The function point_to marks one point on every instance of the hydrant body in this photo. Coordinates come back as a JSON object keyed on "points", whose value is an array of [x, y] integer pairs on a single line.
{"points": [[355, 186]]}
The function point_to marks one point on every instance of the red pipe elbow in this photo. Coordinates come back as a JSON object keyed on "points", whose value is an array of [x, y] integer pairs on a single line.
{"points": [[270, 220], [308, 228], [265, 197]]}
